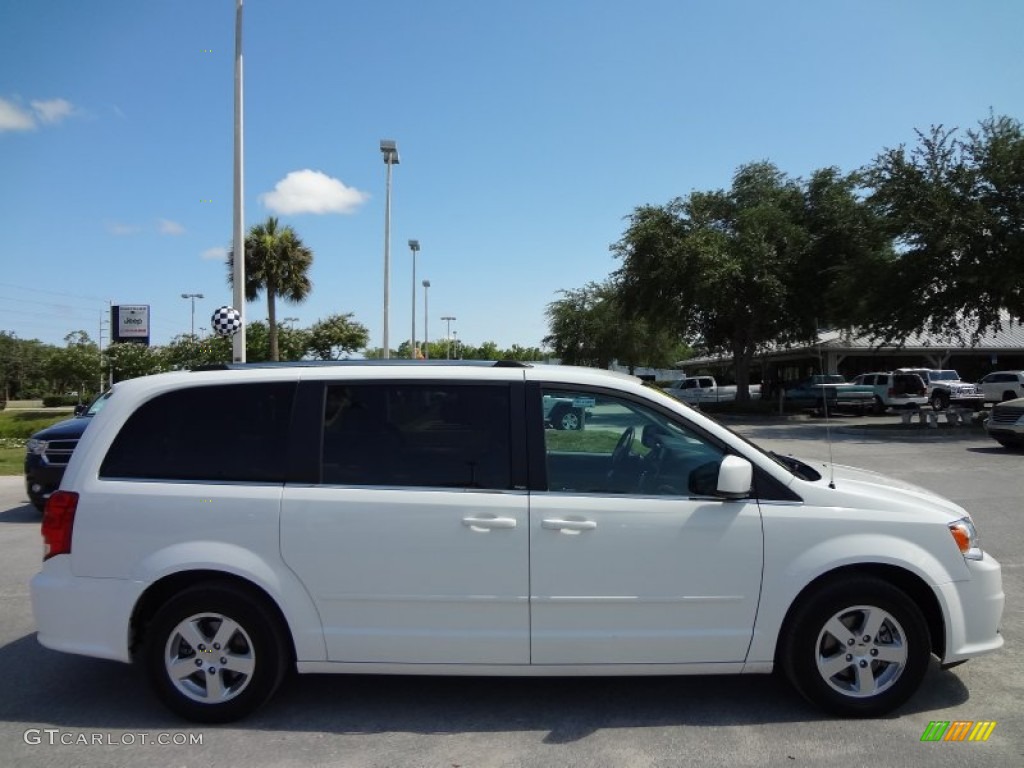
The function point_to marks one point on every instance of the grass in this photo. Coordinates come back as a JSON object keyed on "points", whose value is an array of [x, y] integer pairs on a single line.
{"points": [[23, 424], [12, 460], [588, 441], [15, 428]]}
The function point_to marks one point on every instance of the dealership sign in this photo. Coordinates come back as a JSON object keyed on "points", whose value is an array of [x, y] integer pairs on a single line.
{"points": [[130, 322]]}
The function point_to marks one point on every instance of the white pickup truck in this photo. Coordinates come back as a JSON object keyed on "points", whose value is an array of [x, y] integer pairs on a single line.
{"points": [[704, 389]]}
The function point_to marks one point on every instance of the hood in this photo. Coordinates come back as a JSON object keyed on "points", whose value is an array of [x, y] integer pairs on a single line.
{"points": [[864, 488], [64, 430]]}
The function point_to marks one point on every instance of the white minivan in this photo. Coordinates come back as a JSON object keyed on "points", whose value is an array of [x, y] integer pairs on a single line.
{"points": [[226, 527]]}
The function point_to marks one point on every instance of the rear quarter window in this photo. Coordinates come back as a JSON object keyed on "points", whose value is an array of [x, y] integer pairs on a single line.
{"points": [[234, 432]]}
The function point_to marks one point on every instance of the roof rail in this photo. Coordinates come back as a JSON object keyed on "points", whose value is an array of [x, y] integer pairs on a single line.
{"points": [[394, 362]]}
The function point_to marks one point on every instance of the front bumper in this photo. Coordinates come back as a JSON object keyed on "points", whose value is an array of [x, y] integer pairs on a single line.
{"points": [[41, 479], [974, 611]]}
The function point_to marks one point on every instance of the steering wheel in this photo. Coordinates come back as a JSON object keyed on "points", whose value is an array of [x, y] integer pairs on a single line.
{"points": [[623, 448]]}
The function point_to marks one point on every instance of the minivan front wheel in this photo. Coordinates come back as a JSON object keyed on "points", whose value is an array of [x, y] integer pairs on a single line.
{"points": [[857, 648], [214, 653]]}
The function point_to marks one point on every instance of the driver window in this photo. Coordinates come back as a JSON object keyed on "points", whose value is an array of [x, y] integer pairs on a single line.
{"points": [[600, 444]]}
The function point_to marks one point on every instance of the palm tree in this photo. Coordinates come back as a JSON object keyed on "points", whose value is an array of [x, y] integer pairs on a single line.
{"points": [[277, 261]]}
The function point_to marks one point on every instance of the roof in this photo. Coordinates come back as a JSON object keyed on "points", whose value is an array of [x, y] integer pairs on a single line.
{"points": [[1009, 338]]}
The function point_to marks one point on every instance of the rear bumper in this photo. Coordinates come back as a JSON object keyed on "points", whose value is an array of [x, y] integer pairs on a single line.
{"points": [[85, 616]]}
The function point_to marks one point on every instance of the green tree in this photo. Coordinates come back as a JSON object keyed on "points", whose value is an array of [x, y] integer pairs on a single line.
{"points": [[278, 262], [954, 208], [336, 336], [23, 366], [732, 271], [129, 360], [187, 351], [517, 352], [75, 367], [591, 326], [583, 325]]}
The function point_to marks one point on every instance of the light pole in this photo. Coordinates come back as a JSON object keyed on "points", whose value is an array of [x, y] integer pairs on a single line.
{"points": [[414, 246], [193, 297], [455, 334], [390, 152], [426, 334], [448, 335], [238, 201]]}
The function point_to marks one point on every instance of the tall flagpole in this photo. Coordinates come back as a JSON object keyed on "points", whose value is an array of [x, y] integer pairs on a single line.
{"points": [[238, 239]]}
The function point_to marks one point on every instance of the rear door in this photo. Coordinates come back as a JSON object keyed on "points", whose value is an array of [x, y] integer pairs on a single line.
{"points": [[412, 538]]}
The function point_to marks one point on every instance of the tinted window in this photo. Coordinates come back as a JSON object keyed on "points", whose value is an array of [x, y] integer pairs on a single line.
{"points": [[236, 432], [434, 435], [620, 446]]}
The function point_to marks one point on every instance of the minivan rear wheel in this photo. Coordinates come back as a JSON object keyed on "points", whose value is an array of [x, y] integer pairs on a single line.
{"points": [[214, 653], [858, 647]]}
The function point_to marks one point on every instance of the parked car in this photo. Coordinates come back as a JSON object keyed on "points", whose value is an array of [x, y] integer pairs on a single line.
{"points": [[830, 391], [47, 452], [945, 388], [1006, 423], [564, 412], [706, 389], [894, 390], [1002, 385], [224, 528]]}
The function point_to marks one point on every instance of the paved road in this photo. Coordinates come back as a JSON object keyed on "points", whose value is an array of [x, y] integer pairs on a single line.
{"points": [[452, 723]]}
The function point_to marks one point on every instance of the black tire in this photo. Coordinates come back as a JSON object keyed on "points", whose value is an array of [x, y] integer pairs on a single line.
{"points": [[1013, 445], [810, 651], [1009, 396], [255, 658], [940, 401], [879, 407], [566, 417]]}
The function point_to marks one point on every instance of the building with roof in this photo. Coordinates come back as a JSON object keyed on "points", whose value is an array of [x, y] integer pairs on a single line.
{"points": [[851, 352]]}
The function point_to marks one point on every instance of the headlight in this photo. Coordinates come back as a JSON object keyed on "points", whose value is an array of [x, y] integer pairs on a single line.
{"points": [[966, 538], [35, 446]]}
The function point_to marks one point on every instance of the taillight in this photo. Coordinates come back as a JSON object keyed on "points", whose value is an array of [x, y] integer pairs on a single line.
{"points": [[58, 522]]}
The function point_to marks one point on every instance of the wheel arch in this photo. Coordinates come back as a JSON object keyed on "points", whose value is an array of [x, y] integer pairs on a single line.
{"points": [[910, 583], [160, 591]]}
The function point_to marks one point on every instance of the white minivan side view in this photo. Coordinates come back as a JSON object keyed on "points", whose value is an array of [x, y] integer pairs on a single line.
{"points": [[224, 528]]}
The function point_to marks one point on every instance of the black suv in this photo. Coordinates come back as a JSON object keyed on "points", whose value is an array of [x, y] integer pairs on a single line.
{"points": [[47, 452]]}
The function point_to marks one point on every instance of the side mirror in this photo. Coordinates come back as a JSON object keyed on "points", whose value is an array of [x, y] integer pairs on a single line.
{"points": [[735, 476], [80, 409]]}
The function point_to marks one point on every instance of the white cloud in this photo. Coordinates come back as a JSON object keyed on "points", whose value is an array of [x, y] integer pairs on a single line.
{"points": [[217, 253], [119, 229], [308, 191], [53, 110], [14, 118], [168, 227]]}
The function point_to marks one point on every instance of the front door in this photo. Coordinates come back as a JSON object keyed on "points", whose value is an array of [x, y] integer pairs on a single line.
{"points": [[632, 560]]}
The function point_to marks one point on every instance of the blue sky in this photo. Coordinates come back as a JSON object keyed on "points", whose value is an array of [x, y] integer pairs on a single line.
{"points": [[528, 130]]}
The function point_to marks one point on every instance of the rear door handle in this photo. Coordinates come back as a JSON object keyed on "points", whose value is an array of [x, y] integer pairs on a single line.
{"points": [[485, 524], [568, 526]]}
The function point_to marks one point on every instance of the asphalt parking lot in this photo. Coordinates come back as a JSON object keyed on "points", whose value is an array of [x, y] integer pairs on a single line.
{"points": [[60, 710]]}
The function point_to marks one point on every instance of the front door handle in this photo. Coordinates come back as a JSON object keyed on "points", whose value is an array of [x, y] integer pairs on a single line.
{"points": [[485, 524], [568, 526]]}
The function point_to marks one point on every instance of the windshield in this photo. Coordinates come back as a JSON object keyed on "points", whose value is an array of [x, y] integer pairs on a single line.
{"points": [[944, 376], [98, 403]]}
